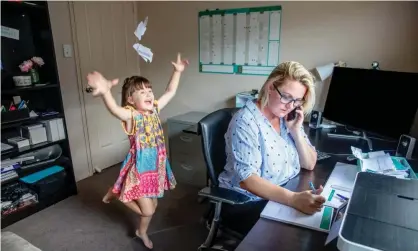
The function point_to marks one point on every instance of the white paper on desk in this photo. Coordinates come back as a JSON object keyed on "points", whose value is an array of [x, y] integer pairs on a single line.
{"points": [[342, 176], [379, 164], [144, 52], [140, 30], [357, 152], [376, 154], [320, 221], [333, 232]]}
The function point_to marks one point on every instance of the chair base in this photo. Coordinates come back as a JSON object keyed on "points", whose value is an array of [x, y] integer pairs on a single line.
{"points": [[232, 238], [214, 248]]}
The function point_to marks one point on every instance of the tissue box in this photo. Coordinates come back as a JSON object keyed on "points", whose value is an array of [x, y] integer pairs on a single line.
{"points": [[35, 133]]}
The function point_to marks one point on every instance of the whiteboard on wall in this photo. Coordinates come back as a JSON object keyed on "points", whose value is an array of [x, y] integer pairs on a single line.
{"points": [[240, 41]]}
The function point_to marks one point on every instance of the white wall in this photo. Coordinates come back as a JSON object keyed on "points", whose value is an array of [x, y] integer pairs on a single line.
{"points": [[61, 30], [313, 33]]}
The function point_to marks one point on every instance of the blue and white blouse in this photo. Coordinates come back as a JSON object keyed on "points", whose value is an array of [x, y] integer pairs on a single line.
{"points": [[253, 146]]}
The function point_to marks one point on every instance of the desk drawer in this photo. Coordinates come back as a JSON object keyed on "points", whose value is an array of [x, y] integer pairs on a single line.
{"points": [[186, 143], [189, 170], [183, 138]]}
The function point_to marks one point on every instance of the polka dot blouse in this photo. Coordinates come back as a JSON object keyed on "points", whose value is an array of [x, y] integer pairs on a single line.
{"points": [[254, 147]]}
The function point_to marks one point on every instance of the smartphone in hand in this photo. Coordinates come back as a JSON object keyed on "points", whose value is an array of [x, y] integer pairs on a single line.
{"points": [[292, 115]]}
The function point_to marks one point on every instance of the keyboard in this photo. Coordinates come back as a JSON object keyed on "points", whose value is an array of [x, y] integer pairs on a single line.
{"points": [[322, 155]]}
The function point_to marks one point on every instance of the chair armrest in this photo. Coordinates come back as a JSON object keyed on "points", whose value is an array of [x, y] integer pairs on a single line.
{"points": [[224, 195]]}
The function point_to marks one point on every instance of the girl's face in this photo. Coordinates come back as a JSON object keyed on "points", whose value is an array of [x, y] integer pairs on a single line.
{"points": [[143, 99]]}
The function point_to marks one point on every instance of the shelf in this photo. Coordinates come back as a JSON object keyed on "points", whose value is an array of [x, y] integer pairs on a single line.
{"points": [[29, 88], [18, 151], [7, 220], [24, 4], [61, 161], [26, 121]]}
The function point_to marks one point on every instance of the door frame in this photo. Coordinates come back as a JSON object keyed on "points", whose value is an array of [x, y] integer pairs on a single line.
{"points": [[81, 87]]}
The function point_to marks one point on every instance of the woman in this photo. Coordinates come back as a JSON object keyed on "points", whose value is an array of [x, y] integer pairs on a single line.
{"points": [[265, 151]]}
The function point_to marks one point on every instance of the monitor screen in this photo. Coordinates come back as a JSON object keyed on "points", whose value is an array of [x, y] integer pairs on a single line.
{"points": [[381, 102]]}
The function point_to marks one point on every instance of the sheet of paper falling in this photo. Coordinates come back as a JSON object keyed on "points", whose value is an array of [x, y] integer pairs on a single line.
{"points": [[142, 51]]}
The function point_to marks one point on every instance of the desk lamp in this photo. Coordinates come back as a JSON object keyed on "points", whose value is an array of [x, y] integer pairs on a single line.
{"points": [[325, 71], [322, 73]]}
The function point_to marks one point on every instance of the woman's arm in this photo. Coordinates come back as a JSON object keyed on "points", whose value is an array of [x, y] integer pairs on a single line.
{"points": [[267, 190], [173, 84], [307, 153]]}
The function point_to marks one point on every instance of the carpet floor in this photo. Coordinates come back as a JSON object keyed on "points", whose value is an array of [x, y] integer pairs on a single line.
{"points": [[84, 222]]}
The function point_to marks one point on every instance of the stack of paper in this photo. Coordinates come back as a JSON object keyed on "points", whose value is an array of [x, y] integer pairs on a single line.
{"points": [[378, 162], [340, 184]]}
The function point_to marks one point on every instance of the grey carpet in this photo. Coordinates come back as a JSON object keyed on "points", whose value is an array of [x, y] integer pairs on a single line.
{"points": [[83, 222]]}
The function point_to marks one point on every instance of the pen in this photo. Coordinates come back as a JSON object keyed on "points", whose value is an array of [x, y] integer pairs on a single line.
{"points": [[342, 197], [21, 104], [312, 187]]}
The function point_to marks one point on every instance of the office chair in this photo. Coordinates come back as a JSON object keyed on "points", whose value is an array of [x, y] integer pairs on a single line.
{"points": [[212, 129]]}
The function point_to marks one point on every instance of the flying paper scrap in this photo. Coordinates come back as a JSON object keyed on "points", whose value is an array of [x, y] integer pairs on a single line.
{"points": [[144, 52], [142, 27]]}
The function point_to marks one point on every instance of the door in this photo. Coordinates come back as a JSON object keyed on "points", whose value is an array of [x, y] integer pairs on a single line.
{"points": [[104, 36]]}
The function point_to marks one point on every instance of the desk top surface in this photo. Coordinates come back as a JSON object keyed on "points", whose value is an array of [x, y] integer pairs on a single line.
{"points": [[272, 235]]}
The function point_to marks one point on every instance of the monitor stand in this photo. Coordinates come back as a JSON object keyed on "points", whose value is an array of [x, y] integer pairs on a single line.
{"points": [[353, 135]]}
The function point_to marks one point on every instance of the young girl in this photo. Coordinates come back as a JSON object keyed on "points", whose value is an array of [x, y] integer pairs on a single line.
{"points": [[146, 172]]}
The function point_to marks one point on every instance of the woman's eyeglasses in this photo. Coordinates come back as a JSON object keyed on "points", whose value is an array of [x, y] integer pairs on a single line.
{"points": [[285, 99]]}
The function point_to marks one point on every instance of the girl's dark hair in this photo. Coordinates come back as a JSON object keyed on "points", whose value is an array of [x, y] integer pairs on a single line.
{"points": [[132, 84]]}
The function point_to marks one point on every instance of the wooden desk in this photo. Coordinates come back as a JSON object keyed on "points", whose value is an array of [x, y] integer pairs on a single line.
{"points": [[272, 235]]}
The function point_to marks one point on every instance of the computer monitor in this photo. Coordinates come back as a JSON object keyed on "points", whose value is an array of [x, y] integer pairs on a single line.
{"points": [[376, 101]]}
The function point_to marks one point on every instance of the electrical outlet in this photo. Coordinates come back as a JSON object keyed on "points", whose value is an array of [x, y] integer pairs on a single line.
{"points": [[68, 50]]}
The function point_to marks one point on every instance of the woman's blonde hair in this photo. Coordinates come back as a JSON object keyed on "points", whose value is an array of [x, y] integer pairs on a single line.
{"points": [[293, 71]]}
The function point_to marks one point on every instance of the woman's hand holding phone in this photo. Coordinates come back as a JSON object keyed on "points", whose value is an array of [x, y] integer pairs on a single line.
{"points": [[294, 123]]}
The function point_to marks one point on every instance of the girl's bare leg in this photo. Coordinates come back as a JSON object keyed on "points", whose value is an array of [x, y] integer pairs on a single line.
{"points": [[133, 205], [147, 207], [109, 196]]}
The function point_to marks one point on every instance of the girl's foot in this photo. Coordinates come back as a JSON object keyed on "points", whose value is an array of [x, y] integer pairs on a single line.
{"points": [[145, 239], [108, 197]]}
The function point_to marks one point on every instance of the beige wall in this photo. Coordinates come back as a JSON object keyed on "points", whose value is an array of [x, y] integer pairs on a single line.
{"points": [[313, 33], [61, 30]]}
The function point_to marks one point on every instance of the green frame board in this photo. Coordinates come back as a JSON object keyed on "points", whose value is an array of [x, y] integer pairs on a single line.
{"points": [[242, 68]]}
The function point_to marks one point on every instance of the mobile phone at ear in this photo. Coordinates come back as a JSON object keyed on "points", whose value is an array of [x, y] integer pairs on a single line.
{"points": [[292, 115]]}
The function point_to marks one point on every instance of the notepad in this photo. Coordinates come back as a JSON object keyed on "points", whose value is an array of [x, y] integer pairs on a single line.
{"points": [[320, 221]]}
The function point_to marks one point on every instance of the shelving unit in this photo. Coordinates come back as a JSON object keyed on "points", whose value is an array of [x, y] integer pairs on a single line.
{"points": [[31, 19]]}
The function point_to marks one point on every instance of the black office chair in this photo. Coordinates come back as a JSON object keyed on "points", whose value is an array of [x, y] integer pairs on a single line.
{"points": [[212, 129]]}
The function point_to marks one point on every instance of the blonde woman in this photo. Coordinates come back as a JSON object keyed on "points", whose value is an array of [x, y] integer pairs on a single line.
{"points": [[265, 150]]}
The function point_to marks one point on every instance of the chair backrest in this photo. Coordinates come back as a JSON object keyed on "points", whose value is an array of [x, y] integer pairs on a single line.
{"points": [[212, 129]]}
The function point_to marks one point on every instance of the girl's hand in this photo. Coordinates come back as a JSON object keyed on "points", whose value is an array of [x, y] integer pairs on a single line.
{"points": [[180, 64], [99, 84], [295, 125]]}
